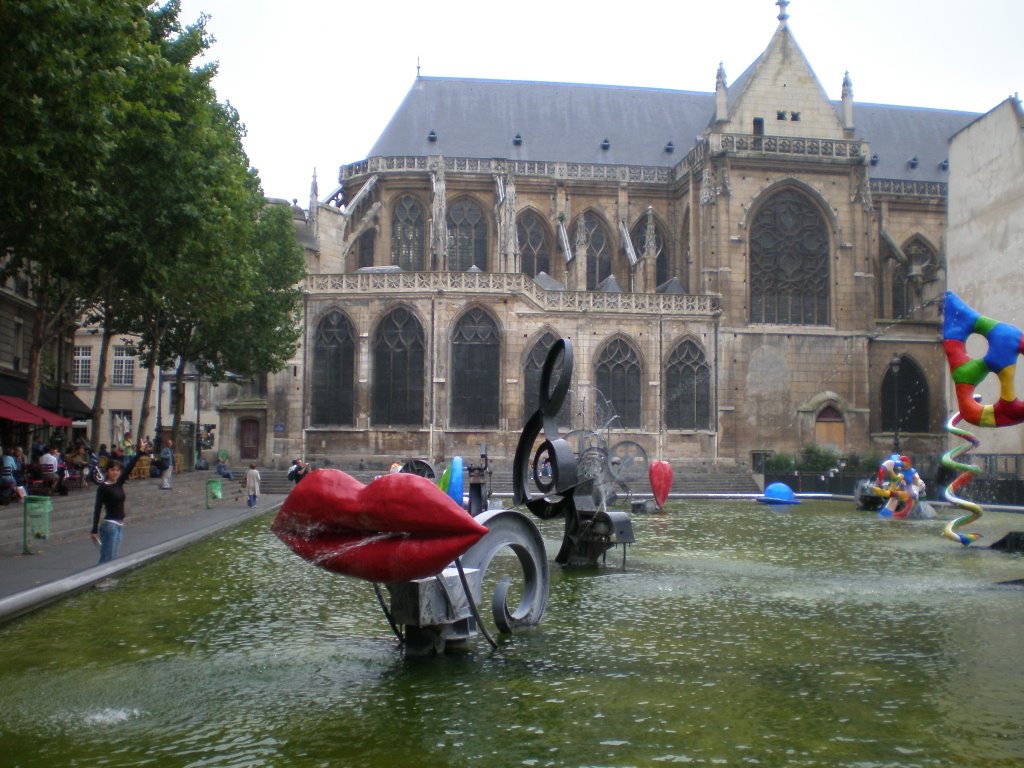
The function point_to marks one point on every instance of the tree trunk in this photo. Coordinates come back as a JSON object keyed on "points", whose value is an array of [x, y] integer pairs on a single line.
{"points": [[179, 401], [33, 385], [101, 384], [144, 410]]}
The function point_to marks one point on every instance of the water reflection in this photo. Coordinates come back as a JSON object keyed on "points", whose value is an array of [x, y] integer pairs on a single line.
{"points": [[737, 635]]}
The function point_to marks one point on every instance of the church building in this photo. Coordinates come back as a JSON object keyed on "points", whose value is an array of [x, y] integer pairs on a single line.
{"points": [[741, 272]]}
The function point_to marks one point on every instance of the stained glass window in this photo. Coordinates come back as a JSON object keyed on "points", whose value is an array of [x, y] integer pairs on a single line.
{"points": [[467, 236], [789, 262], [531, 380], [407, 235], [688, 388], [599, 249], [534, 244], [334, 354], [475, 371], [905, 398], [618, 379], [398, 370]]}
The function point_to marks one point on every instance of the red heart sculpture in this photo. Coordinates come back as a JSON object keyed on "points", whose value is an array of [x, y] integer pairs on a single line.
{"points": [[400, 527], [660, 474]]}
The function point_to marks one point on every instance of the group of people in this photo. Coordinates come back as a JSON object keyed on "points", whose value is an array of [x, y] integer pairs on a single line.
{"points": [[298, 470], [109, 509], [49, 465], [12, 473]]}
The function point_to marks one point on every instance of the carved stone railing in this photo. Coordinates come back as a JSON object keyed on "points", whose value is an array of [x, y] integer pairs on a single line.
{"points": [[787, 145], [901, 188], [505, 284], [520, 168]]}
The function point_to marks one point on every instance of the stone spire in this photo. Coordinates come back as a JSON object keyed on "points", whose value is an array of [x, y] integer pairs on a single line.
{"points": [[847, 103], [721, 96]]}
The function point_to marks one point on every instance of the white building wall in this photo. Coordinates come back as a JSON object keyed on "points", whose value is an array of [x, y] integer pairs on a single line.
{"points": [[985, 246]]}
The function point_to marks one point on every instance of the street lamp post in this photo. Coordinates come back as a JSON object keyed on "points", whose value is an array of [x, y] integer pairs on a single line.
{"points": [[894, 364]]}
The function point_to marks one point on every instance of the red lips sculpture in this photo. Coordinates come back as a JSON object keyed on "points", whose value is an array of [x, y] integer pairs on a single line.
{"points": [[660, 474], [400, 527]]}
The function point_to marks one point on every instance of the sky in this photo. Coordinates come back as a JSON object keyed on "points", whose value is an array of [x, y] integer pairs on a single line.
{"points": [[316, 81]]}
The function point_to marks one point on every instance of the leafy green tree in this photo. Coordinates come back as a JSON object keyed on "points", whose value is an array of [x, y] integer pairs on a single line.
{"points": [[125, 152], [230, 300], [270, 317], [155, 208], [62, 88]]}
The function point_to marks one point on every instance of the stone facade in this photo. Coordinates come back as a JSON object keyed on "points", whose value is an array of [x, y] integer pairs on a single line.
{"points": [[774, 152]]}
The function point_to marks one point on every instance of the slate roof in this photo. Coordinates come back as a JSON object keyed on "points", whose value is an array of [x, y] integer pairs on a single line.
{"points": [[567, 122], [898, 134], [557, 122]]}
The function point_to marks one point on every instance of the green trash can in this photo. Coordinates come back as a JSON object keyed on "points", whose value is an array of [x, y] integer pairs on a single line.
{"points": [[213, 490], [37, 519]]}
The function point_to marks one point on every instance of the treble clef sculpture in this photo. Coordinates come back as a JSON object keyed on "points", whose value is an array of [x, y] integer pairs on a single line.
{"points": [[554, 471]]}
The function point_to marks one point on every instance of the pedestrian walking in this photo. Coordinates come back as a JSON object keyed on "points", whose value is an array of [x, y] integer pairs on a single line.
{"points": [[252, 484], [166, 465]]}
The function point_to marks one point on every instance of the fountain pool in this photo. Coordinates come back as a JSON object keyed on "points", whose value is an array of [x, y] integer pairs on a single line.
{"points": [[737, 634]]}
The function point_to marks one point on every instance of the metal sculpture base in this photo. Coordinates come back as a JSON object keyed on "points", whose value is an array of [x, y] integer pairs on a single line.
{"points": [[554, 470], [591, 532], [435, 612], [439, 613]]}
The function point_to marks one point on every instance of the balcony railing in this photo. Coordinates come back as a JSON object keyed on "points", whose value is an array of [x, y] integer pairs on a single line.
{"points": [[507, 284], [787, 145], [520, 168]]}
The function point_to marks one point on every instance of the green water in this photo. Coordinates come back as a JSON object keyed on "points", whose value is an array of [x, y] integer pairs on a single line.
{"points": [[737, 635]]}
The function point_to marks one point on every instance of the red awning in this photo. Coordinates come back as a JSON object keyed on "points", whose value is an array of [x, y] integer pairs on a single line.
{"points": [[17, 409]]}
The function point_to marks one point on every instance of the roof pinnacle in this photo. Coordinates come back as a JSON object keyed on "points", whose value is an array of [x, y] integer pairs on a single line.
{"points": [[783, 15]]}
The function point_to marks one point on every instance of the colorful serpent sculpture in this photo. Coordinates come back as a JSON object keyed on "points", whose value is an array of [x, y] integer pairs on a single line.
{"points": [[1005, 344]]}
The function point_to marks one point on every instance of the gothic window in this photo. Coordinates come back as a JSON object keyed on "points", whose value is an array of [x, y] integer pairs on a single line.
{"points": [[407, 235], [688, 388], [475, 370], [534, 244], [661, 260], [907, 278], [789, 262], [398, 370], [904, 398], [531, 380], [467, 236], [599, 249], [334, 355], [618, 379], [365, 247]]}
